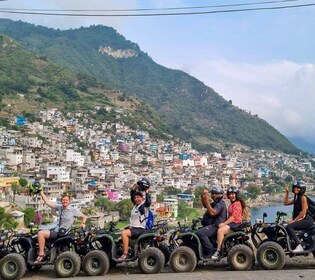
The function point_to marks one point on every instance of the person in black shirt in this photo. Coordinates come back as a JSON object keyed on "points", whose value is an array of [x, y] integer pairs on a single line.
{"points": [[216, 213], [301, 219]]}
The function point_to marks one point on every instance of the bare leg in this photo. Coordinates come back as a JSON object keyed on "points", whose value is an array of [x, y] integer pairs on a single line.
{"points": [[222, 231], [125, 234], [42, 236]]}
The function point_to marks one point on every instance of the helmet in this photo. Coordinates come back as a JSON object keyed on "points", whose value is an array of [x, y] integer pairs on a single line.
{"points": [[143, 184], [216, 190], [35, 188], [235, 190], [299, 184]]}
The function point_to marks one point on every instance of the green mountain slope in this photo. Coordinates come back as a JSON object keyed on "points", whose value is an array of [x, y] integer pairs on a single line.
{"points": [[191, 110], [29, 83]]}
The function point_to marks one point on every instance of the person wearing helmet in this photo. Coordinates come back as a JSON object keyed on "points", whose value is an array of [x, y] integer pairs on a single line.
{"points": [[66, 218], [137, 222], [215, 214], [301, 219], [235, 213]]}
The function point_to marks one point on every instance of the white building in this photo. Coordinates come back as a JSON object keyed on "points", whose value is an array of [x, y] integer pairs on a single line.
{"points": [[58, 173], [76, 157]]}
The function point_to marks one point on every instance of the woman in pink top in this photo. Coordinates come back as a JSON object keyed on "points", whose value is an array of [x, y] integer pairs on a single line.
{"points": [[235, 212]]}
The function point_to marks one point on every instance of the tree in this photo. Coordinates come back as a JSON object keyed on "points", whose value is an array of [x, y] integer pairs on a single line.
{"points": [[16, 188], [23, 182], [159, 198], [124, 207], [253, 191], [104, 203], [197, 199], [172, 191], [7, 220], [186, 212], [29, 215]]}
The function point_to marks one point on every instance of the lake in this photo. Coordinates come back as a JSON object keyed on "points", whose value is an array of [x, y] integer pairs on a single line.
{"points": [[257, 212]]}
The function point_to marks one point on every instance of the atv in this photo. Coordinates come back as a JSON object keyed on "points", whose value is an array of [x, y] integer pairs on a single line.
{"points": [[5, 241], [188, 250], [23, 250], [273, 242], [147, 248]]}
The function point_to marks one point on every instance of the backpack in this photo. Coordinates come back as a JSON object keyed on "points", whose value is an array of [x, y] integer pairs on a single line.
{"points": [[246, 214], [311, 207], [150, 220]]}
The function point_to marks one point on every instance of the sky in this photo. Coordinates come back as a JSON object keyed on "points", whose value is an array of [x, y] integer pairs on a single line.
{"points": [[263, 60]]}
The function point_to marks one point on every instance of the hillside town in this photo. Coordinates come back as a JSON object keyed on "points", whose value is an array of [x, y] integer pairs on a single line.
{"points": [[73, 153]]}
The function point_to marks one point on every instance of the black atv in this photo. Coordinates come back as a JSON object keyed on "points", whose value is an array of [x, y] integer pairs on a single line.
{"points": [[188, 250], [5, 242], [23, 250], [273, 242], [146, 248]]}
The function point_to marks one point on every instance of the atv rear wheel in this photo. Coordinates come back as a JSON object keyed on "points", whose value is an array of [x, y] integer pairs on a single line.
{"points": [[270, 256], [67, 264], [151, 260], [95, 263], [183, 259], [241, 257], [12, 267]]}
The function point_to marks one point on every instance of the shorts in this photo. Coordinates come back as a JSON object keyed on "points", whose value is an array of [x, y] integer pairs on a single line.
{"points": [[53, 234], [136, 232], [234, 226]]}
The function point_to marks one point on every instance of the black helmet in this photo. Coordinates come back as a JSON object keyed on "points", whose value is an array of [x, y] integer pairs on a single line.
{"points": [[143, 184], [235, 190], [299, 184], [35, 188], [216, 190]]}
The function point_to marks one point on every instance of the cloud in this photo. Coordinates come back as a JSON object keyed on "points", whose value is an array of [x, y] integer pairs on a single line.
{"points": [[281, 92]]}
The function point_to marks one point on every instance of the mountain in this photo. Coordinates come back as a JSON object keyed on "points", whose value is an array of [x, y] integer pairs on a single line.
{"points": [[303, 145], [191, 110], [29, 83]]}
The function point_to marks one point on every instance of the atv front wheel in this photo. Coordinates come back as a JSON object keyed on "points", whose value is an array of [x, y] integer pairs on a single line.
{"points": [[68, 264], [241, 257], [95, 263], [183, 259], [270, 256], [151, 260], [12, 267]]}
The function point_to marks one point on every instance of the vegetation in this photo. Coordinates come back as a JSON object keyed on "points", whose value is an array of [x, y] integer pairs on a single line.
{"points": [[7, 220], [187, 107], [186, 212], [29, 215], [30, 83]]}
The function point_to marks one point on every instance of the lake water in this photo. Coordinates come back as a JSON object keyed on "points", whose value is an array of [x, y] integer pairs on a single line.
{"points": [[257, 212]]}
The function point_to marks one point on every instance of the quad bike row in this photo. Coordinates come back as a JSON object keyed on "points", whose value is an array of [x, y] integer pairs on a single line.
{"points": [[93, 251], [97, 250]]}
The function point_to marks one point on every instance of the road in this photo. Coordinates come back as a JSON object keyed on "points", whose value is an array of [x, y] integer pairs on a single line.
{"points": [[295, 268]]}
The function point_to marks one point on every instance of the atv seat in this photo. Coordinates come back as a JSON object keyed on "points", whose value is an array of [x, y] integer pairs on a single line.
{"points": [[245, 226]]}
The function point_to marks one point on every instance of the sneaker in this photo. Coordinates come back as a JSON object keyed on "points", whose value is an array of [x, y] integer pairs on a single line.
{"points": [[298, 249], [216, 256], [208, 255], [122, 258]]}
